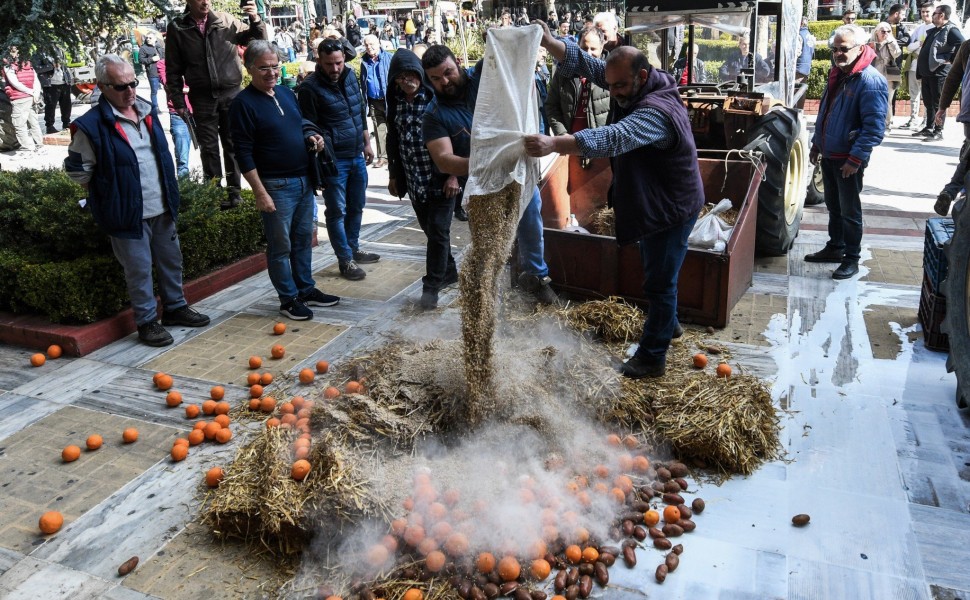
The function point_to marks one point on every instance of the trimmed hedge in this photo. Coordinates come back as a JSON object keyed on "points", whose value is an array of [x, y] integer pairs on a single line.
{"points": [[55, 261]]}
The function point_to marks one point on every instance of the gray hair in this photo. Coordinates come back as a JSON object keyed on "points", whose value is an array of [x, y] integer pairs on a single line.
{"points": [[257, 48], [606, 18], [857, 34], [107, 60], [370, 37]]}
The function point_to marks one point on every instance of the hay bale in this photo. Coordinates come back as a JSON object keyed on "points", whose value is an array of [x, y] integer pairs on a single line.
{"points": [[258, 500], [612, 320], [730, 424]]}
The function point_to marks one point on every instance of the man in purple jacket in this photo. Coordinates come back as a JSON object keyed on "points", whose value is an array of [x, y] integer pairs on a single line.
{"points": [[657, 190]]}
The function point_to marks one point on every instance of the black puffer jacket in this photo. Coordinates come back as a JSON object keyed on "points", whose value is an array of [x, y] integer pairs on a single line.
{"points": [[403, 60], [337, 108]]}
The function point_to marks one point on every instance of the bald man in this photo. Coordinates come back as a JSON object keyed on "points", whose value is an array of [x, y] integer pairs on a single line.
{"points": [[657, 190]]}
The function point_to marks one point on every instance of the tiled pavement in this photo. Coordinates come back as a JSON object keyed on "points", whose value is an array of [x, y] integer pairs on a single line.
{"points": [[879, 452]]}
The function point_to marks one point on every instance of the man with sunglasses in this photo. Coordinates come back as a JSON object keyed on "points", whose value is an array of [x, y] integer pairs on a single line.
{"points": [[851, 122], [912, 82], [933, 65], [331, 98], [119, 154], [271, 144], [201, 47]]}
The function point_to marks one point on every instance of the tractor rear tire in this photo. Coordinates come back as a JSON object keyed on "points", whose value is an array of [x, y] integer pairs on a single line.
{"points": [[816, 189], [956, 323], [781, 138]]}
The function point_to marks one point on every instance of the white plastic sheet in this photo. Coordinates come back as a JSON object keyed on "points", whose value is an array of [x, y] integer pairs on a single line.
{"points": [[507, 108]]}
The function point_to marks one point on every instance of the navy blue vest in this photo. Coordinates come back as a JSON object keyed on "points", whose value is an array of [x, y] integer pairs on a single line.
{"points": [[114, 192], [337, 109], [656, 189]]}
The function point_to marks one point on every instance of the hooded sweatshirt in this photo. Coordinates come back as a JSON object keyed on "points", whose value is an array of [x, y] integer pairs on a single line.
{"points": [[852, 115], [402, 61]]}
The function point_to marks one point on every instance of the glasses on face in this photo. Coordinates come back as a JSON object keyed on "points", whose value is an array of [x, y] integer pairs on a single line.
{"points": [[937, 14], [120, 87], [843, 49], [269, 69]]}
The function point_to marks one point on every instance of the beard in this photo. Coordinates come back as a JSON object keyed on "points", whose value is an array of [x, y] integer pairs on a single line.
{"points": [[455, 89]]}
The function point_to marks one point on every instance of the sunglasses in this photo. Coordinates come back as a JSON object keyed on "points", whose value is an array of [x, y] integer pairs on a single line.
{"points": [[120, 87], [842, 49]]}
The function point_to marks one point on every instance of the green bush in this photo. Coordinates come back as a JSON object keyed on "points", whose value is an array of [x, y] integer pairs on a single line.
{"points": [[54, 260]]}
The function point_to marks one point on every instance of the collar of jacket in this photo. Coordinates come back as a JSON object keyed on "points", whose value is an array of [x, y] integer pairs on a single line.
{"points": [[186, 21]]}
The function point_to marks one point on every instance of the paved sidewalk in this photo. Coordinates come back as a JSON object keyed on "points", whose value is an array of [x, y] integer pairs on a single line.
{"points": [[878, 452]]}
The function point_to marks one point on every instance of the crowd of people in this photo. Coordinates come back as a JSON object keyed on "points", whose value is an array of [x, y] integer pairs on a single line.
{"points": [[604, 102]]}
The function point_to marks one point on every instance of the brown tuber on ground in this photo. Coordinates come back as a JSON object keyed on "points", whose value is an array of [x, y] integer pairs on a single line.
{"points": [[128, 566], [800, 520]]}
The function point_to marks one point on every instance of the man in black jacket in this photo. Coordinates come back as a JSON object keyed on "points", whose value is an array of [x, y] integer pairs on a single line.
{"points": [[411, 171], [933, 65], [201, 46], [56, 81], [331, 99], [148, 57]]}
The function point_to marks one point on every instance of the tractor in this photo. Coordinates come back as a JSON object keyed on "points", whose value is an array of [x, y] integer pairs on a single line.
{"points": [[741, 102]]}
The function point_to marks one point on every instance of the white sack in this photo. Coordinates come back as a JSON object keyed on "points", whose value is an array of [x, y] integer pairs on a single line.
{"points": [[507, 109], [710, 231]]}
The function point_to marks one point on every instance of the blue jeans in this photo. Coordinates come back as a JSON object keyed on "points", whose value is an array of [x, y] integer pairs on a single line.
{"points": [[155, 83], [662, 254], [289, 235], [344, 200], [844, 206], [291, 54], [182, 142], [159, 244], [529, 235]]}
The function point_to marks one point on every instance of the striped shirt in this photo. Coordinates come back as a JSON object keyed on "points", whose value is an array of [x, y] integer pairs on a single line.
{"points": [[642, 127]]}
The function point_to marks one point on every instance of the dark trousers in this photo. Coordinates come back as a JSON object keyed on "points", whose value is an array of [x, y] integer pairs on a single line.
{"points": [[662, 254], [409, 40], [956, 182], [844, 206], [931, 88], [54, 96], [378, 112], [212, 126], [434, 216]]}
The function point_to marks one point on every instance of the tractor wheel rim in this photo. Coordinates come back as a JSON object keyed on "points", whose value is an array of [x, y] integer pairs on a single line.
{"points": [[793, 176]]}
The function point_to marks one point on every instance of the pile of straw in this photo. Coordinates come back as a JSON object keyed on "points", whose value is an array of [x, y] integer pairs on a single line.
{"points": [[259, 501], [612, 320], [729, 424]]}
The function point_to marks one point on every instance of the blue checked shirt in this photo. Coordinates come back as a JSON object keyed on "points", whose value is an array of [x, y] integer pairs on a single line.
{"points": [[414, 154], [642, 127]]}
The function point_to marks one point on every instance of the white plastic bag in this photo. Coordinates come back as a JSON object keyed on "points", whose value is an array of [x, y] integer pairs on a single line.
{"points": [[507, 109], [710, 231]]}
